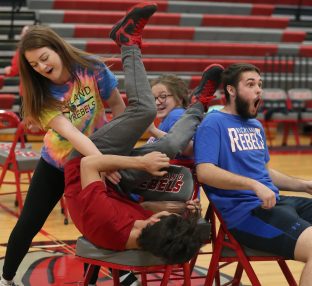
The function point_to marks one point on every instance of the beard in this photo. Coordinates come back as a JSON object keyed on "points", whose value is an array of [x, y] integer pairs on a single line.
{"points": [[242, 108]]}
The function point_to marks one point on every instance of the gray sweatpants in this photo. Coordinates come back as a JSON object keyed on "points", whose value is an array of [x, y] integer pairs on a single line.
{"points": [[120, 135]]}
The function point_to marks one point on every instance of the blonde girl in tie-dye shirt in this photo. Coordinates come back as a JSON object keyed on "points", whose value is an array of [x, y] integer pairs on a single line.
{"points": [[63, 92], [83, 107]]}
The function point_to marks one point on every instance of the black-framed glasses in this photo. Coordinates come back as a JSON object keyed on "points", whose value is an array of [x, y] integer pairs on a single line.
{"points": [[163, 97]]}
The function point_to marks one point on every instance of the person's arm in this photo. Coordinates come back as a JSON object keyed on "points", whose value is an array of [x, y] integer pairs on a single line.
{"points": [[91, 166], [176, 207], [287, 183], [116, 103], [214, 176], [79, 141]]}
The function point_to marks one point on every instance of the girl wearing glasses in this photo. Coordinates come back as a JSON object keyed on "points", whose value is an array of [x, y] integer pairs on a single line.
{"points": [[172, 97]]}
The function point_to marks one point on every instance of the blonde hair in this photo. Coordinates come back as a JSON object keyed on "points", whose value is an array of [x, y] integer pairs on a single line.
{"points": [[176, 86], [36, 91]]}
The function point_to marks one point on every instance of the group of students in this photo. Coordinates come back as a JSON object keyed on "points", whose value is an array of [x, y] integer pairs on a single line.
{"points": [[63, 91]]}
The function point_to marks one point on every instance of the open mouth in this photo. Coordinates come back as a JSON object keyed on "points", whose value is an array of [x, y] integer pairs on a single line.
{"points": [[49, 71], [161, 108], [257, 103]]}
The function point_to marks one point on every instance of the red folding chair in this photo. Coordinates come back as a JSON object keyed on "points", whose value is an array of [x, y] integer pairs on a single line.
{"points": [[18, 157], [227, 250], [301, 101], [277, 109], [9, 123]]}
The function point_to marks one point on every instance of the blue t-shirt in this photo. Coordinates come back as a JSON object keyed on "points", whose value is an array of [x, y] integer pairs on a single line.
{"points": [[238, 146], [85, 109], [173, 116]]}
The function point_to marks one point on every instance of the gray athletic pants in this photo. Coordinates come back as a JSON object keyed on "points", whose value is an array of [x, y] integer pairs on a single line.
{"points": [[121, 134]]}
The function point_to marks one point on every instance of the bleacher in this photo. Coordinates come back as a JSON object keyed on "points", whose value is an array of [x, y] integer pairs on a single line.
{"points": [[183, 37]]}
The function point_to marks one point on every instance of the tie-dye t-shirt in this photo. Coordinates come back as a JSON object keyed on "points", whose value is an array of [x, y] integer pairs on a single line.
{"points": [[84, 108]]}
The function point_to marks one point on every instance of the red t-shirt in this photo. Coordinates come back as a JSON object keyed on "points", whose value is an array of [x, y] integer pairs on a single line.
{"points": [[102, 215]]}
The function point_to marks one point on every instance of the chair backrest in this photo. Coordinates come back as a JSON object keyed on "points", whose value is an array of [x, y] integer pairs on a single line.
{"points": [[16, 156], [9, 123], [274, 98], [8, 119], [300, 98]]}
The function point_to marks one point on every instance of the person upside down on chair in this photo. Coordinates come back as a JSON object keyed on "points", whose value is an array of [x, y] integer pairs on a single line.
{"points": [[102, 211]]}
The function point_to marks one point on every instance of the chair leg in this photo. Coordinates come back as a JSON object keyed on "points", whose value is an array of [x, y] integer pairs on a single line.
{"points": [[64, 210], [19, 198], [115, 273], [166, 276], [143, 279], [88, 275], [214, 262], [193, 262], [238, 274], [287, 273], [249, 271], [296, 133], [187, 274], [285, 135], [5, 168], [268, 130], [217, 278]]}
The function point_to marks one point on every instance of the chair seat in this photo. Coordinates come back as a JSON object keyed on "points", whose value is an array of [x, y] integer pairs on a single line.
{"points": [[7, 145], [291, 116], [86, 249], [26, 159], [229, 252]]}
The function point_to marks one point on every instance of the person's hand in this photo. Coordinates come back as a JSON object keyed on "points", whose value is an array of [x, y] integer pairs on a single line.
{"points": [[113, 177], [266, 195], [7, 70], [154, 162], [194, 206]]}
